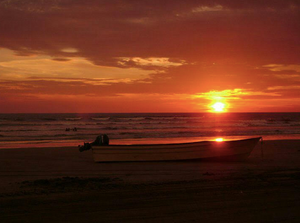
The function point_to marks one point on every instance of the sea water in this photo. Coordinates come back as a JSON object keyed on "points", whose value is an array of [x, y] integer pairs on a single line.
{"points": [[35, 130]]}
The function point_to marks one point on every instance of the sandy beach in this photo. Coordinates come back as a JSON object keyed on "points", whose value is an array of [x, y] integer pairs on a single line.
{"points": [[64, 185]]}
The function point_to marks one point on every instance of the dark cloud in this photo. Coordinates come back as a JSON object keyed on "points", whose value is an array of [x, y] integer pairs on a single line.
{"points": [[103, 30]]}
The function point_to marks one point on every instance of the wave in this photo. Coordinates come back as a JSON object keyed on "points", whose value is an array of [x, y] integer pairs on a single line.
{"points": [[149, 118], [19, 120], [101, 119], [295, 125], [60, 135], [110, 128], [29, 124], [26, 130], [20, 130], [49, 119], [73, 119], [119, 119]]}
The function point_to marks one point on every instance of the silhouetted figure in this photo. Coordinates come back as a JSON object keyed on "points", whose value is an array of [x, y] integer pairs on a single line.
{"points": [[75, 129], [67, 129], [101, 140]]}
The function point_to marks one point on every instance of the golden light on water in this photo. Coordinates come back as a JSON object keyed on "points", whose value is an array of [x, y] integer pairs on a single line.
{"points": [[219, 139]]}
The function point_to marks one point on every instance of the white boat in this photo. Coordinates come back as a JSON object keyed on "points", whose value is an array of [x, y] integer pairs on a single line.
{"points": [[204, 150]]}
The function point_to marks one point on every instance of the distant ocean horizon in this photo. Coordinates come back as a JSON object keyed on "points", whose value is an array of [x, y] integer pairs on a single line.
{"points": [[71, 129]]}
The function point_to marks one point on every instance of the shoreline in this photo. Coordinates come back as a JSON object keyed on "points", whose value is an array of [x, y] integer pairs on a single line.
{"points": [[75, 143]]}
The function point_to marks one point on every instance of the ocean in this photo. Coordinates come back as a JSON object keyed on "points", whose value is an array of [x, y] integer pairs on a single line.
{"points": [[46, 130]]}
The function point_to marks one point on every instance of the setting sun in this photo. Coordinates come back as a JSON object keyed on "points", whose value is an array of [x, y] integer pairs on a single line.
{"points": [[218, 107]]}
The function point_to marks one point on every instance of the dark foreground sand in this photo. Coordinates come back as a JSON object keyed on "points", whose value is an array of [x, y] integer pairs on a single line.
{"points": [[63, 185]]}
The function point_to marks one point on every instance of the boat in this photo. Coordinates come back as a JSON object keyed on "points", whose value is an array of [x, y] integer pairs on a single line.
{"points": [[203, 150]]}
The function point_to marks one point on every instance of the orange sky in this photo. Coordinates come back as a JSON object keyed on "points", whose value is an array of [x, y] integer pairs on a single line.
{"points": [[149, 55]]}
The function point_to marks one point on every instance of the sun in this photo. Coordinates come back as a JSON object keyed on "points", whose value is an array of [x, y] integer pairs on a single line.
{"points": [[218, 107], [219, 139]]}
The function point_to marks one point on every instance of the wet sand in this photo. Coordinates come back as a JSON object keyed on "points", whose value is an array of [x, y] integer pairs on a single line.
{"points": [[63, 185]]}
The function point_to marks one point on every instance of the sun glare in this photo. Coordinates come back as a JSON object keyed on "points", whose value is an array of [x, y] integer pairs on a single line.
{"points": [[219, 139], [218, 107]]}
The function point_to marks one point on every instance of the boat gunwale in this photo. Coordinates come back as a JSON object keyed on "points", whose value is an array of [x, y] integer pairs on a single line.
{"points": [[174, 144]]}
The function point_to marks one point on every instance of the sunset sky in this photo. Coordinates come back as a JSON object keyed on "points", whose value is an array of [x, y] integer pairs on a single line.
{"points": [[149, 55]]}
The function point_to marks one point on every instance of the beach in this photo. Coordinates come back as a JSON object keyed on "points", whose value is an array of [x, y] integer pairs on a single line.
{"points": [[63, 185]]}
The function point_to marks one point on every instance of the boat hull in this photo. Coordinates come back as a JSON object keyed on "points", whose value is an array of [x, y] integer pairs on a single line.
{"points": [[206, 151]]}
